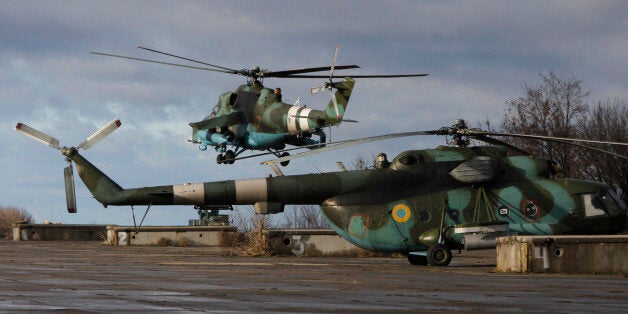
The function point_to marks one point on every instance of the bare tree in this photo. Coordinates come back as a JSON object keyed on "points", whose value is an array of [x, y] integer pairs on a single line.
{"points": [[552, 108], [608, 121], [306, 217]]}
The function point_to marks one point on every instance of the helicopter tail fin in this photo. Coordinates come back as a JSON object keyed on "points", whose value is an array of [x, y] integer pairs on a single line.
{"points": [[335, 110]]}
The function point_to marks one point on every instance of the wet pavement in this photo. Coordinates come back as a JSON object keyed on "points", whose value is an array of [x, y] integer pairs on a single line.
{"points": [[90, 277]]}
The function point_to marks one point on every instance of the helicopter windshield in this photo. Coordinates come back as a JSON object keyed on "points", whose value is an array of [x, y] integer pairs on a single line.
{"points": [[597, 204], [214, 111]]}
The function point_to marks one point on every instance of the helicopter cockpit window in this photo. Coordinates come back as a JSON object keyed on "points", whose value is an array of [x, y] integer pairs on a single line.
{"points": [[602, 203], [614, 204], [593, 205], [232, 99], [214, 111], [408, 160]]}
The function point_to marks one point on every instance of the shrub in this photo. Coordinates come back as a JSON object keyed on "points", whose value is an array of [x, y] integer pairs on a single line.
{"points": [[10, 216]]}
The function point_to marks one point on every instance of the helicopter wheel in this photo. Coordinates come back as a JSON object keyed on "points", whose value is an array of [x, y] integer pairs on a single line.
{"points": [[438, 255], [417, 259], [285, 163], [230, 136], [220, 158], [229, 155]]}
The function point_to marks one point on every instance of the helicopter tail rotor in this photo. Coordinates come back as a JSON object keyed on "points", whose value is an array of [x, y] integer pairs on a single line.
{"points": [[329, 85], [68, 172]]}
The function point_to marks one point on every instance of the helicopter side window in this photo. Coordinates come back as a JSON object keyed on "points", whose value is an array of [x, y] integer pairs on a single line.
{"points": [[614, 204]]}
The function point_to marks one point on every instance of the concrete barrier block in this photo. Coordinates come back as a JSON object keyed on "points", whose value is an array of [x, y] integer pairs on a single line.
{"points": [[563, 254]]}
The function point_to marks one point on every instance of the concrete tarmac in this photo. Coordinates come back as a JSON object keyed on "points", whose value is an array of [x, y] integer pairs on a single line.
{"points": [[90, 277]]}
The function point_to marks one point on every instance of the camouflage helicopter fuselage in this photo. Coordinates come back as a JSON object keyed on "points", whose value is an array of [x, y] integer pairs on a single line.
{"points": [[254, 117], [448, 197]]}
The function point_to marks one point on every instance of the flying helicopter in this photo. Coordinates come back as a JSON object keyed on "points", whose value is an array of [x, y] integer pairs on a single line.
{"points": [[254, 117], [424, 203]]}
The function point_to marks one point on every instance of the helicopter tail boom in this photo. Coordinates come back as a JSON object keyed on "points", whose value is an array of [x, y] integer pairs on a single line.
{"points": [[267, 195]]}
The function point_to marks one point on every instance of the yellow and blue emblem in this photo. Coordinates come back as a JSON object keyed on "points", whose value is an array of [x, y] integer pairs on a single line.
{"points": [[401, 213]]}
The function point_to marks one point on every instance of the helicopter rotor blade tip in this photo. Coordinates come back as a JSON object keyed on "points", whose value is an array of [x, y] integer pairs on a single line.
{"points": [[37, 135], [100, 134]]}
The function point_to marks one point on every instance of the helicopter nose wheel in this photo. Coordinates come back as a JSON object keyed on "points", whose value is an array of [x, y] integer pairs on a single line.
{"points": [[285, 163], [226, 158], [438, 255]]}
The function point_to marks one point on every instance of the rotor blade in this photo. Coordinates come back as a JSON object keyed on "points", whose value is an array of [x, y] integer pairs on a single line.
{"points": [[491, 140], [289, 73], [317, 89], [333, 65], [335, 101], [595, 149], [168, 63], [100, 134], [70, 194], [542, 137], [361, 76], [37, 135], [312, 146], [348, 144], [498, 142], [188, 59]]}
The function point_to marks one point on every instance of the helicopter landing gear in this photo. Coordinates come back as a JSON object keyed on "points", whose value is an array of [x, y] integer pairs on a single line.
{"points": [[230, 136], [229, 155], [417, 259], [285, 163], [226, 158], [438, 255]]}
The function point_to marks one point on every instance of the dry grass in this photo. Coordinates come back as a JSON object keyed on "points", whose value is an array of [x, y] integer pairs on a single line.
{"points": [[253, 243], [10, 216]]}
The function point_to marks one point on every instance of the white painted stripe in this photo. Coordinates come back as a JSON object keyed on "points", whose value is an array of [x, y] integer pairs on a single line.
{"points": [[189, 194], [303, 120], [292, 119], [251, 191]]}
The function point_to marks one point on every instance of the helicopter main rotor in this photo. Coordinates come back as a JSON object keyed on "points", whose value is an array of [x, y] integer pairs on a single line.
{"points": [[256, 74], [461, 136]]}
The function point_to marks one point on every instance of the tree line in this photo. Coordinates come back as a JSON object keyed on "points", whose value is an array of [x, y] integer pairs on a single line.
{"points": [[558, 106]]}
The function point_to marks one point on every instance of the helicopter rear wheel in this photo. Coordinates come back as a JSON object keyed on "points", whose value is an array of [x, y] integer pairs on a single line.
{"points": [[417, 259], [285, 163], [438, 255], [220, 158]]}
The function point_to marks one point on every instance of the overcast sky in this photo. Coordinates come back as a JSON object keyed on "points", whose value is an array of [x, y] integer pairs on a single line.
{"points": [[478, 54]]}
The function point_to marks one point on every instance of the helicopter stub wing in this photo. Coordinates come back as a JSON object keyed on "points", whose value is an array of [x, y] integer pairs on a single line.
{"points": [[238, 117]]}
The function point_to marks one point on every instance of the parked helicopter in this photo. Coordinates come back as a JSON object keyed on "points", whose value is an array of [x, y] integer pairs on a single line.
{"points": [[424, 203], [255, 118]]}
